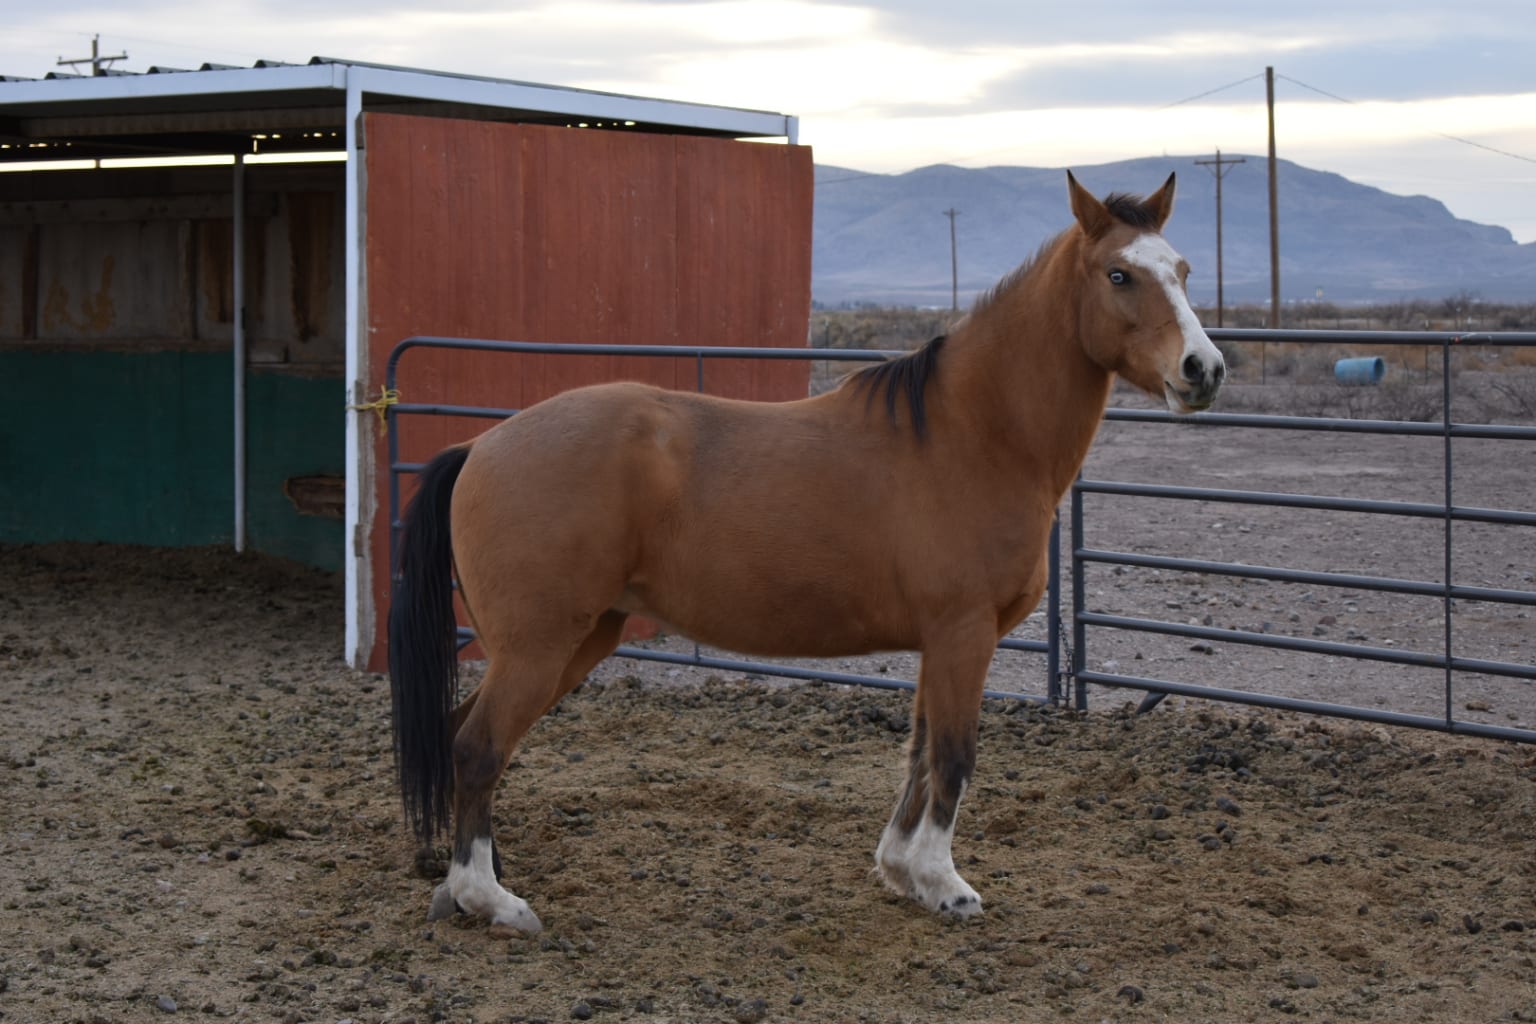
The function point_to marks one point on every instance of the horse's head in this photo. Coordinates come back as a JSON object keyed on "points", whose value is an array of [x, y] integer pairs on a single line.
{"points": [[1135, 318]]}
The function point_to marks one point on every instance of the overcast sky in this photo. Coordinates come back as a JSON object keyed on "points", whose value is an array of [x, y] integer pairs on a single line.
{"points": [[1412, 96]]}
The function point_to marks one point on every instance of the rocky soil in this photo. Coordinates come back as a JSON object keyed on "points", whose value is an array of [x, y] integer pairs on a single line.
{"points": [[197, 819]]}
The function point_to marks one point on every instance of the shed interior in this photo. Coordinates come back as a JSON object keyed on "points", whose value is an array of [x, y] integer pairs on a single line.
{"points": [[117, 312], [191, 296]]}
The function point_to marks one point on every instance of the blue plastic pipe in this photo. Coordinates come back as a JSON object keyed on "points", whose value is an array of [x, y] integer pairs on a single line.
{"points": [[1364, 370]]}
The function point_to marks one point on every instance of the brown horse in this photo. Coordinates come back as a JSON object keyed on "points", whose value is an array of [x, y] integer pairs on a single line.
{"points": [[907, 510]]}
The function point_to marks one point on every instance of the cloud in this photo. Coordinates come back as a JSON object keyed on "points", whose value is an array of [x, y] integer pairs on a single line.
{"points": [[894, 84], [1306, 130]]}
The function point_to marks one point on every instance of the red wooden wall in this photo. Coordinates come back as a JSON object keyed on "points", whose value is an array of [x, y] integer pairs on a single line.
{"points": [[533, 233]]}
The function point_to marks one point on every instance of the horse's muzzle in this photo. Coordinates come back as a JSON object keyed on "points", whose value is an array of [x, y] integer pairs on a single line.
{"points": [[1200, 380]]}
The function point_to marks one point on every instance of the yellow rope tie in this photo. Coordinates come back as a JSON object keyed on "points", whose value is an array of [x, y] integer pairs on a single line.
{"points": [[387, 397]]}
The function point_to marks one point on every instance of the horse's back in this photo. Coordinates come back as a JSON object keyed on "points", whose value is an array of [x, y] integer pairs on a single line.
{"points": [[661, 449], [622, 449]]}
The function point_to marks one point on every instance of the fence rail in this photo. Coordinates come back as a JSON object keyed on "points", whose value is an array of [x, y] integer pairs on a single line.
{"points": [[1445, 589], [1067, 675]]}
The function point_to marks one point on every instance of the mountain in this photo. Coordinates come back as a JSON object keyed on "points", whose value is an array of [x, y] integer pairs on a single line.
{"points": [[884, 238]]}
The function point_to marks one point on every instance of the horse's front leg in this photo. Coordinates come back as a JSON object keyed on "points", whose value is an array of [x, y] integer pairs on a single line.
{"points": [[914, 856]]}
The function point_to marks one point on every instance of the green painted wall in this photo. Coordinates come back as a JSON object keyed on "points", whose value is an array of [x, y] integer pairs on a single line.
{"points": [[136, 448]]}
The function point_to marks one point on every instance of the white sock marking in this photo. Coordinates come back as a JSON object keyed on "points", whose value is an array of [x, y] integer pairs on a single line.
{"points": [[475, 889]]}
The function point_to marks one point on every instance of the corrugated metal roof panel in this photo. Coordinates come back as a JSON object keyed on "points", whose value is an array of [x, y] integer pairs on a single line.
{"points": [[224, 109]]}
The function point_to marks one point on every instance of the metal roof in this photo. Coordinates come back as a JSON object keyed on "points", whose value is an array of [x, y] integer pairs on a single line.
{"points": [[277, 107]]}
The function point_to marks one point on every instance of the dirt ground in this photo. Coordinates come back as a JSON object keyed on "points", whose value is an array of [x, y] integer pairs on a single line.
{"points": [[197, 812]]}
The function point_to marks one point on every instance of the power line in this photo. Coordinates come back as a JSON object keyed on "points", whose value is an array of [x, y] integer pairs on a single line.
{"points": [[1442, 135], [99, 63], [857, 175], [1482, 145], [1320, 92], [1211, 92], [956, 161], [221, 52]]}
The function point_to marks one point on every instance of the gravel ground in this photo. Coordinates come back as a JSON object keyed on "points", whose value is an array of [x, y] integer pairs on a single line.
{"points": [[198, 814]]}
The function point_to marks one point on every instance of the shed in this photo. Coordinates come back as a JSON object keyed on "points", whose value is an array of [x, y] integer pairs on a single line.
{"points": [[186, 344]]}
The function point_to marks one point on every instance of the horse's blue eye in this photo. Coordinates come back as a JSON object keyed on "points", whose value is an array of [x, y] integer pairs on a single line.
{"points": [[1119, 277]]}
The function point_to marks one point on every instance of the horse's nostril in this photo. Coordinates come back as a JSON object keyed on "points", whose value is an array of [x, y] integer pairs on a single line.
{"points": [[1192, 370]]}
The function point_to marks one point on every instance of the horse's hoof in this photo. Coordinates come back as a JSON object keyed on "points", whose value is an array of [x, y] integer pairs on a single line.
{"points": [[443, 904], [961, 906], [521, 919]]}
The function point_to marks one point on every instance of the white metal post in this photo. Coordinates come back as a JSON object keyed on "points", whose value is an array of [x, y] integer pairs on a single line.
{"points": [[356, 543], [238, 300]]}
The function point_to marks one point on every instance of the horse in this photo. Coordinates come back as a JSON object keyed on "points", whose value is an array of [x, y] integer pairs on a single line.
{"points": [[907, 509]]}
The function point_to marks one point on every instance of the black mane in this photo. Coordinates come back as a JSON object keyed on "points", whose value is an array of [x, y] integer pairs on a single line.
{"points": [[905, 377], [1130, 210]]}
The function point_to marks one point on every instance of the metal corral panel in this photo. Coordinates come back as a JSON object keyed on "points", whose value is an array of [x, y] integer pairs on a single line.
{"points": [[533, 233]]}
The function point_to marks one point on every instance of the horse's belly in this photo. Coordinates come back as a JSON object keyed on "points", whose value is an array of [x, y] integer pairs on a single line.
{"points": [[773, 620]]}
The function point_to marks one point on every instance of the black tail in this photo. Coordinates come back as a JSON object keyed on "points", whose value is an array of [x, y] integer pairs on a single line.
{"points": [[423, 648]]}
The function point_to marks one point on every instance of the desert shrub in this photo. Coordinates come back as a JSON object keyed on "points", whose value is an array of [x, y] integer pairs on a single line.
{"points": [[877, 328], [1514, 391], [1398, 398]]}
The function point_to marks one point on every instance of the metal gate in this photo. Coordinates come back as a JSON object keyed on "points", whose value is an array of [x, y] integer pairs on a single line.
{"points": [[1446, 511], [1066, 674]]}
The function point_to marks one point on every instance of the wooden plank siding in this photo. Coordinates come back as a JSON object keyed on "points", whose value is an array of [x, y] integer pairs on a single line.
{"points": [[535, 233], [141, 260]]}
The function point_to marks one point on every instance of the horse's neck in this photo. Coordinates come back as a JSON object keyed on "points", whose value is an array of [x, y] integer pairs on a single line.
{"points": [[1020, 375]]}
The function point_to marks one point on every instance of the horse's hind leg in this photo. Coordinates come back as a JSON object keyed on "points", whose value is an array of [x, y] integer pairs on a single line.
{"points": [[598, 645], [506, 704], [426, 858], [914, 856], [509, 700]]}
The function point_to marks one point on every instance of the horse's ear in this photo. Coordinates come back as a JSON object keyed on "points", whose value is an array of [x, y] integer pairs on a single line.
{"points": [[1160, 203], [1092, 215]]}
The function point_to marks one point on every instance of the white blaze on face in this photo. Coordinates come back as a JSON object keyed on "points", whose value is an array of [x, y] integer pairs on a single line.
{"points": [[1156, 261]]}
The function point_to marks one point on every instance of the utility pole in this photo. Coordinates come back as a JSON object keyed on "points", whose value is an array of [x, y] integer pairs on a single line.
{"points": [[97, 62], [1274, 208], [954, 261], [1220, 170]]}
